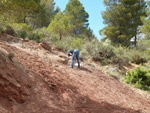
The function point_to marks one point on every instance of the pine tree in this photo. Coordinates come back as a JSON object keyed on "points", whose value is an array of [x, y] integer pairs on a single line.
{"points": [[15, 10], [137, 9], [78, 16], [59, 25], [42, 16], [123, 19], [146, 21], [36, 13]]}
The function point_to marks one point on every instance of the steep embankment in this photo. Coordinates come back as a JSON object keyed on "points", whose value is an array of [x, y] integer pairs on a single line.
{"points": [[39, 80]]}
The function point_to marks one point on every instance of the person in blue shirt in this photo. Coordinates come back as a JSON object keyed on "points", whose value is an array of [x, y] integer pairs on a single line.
{"points": [[75, 54]]}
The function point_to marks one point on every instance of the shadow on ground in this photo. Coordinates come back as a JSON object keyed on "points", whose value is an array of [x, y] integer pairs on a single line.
{"points": [[85, 69], [83, 104], [86, 105]]}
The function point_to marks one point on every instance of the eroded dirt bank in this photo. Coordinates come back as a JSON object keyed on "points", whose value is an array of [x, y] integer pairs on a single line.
{"points": [[39, 80]]}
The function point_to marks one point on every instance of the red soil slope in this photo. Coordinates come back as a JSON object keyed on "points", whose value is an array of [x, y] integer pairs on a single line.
{"points": [[39, 80]]}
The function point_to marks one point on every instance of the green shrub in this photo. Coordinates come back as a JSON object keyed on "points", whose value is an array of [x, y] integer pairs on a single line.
{"points": [[92, 48], [21, 27], [121, 56], [9, 30], [35, 36], [104, 62], [106, 53], [39, 35], [84, 54], [10, 56], [140, 78], [44, 32], [100, 51], [1, 30], [22, 34], [22, 30], [137, 56], [77, 43], [143, 45], [63, 44]]}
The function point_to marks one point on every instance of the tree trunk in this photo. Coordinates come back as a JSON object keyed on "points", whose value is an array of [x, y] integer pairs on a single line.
{"points": [[24, 19], [135, 41], [60, 36]]}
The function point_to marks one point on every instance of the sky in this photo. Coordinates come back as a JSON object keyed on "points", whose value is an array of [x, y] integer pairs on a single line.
{"points": [[93, 8]]}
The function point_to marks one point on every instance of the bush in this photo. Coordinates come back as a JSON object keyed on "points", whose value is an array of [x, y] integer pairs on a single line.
{"points": [[121, 56], [84, 54], [21, 27], [106, 53], [137, 56], [9, 30], [77, 43], [44, 33], [63, 44], [22, 34], [100, 51], [22, 30], [35, 36], [139, 78], [39, 35], [10, 56], [92, 48], [1, 30]]}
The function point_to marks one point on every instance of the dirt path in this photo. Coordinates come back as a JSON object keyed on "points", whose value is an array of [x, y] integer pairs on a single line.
{"points": [[84, 90]]}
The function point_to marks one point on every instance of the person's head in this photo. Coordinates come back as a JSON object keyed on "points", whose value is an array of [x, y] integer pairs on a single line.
{"points": [[70, 54]]}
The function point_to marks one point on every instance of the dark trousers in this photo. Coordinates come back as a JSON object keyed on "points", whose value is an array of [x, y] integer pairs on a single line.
{"points": [[75, 54]]}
